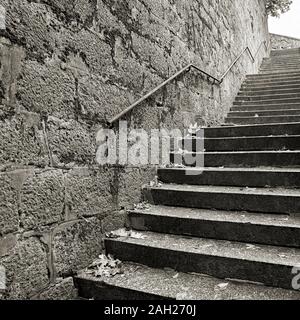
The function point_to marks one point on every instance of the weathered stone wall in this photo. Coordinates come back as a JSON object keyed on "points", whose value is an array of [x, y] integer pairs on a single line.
{"points": [[68, 66], [283, 42]]}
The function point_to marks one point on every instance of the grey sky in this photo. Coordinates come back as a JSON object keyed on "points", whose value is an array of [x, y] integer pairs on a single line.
{"points": [[289, 23]]}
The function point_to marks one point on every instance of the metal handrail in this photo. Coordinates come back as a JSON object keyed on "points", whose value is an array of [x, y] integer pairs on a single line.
{"points": [[236, 60], [262, 43], [145, 97], [185, 69]]}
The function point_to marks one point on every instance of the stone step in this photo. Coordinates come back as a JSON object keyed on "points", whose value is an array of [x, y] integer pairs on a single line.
{"points": [[263, 88], [281, 57], [268, 108], [243, 113], [275, 71], [273, 106], [279, 68], [245, 159], [265, 200], [253, 130], [138, 282], [269, 91], [271, 75], [263, 119], [273, 78], [239, 177], [269, 265], [268, 101], [270, 83], [281, 64], [241, 143], [269, 229], [262, 97], [285, 52]]}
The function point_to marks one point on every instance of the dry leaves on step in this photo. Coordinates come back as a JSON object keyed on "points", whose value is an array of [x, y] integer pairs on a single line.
{"points": [[123, 233], [193, 129], [177, 165], [251, 247], [142, 206], [155, 182], [222, 286], [105, 266]]}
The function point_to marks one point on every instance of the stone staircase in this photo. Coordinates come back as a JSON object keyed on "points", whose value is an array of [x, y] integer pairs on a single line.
{"points": [[232, 232]]}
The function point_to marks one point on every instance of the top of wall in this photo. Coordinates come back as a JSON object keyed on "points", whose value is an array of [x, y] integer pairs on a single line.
{"points": [[281, 36], [279, 42]]}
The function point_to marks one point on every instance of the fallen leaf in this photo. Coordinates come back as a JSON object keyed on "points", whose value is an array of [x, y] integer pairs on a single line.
{"points": [[121, 233], [251, 247], [136, 235], [105, 266], [142, 206], [223, 286]]}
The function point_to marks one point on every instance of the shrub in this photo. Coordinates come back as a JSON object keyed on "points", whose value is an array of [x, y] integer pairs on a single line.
{"points": [[277, 7]]}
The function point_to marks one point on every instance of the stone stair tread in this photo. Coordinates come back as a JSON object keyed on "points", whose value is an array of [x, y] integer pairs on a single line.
{"points": [[277, 69], [144, 281], [262, 113], [275, 78], [281, 73], [264, 119], [228, 126], [246, 152], [276, 95], [220, 248], [264, 116], [261, 105], [231, 190], [286, 100], [240, 159], [279, 87], [245, 137], [226, 176], [250, 93], [231, 169], [222, 216]]}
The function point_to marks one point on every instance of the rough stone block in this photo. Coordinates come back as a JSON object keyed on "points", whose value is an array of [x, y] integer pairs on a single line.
{"points": [[7, 243], [32, 26], [63, 289], [26, 269], [47, 89], [96, 53], [71, 142], [22, 141], [114, 221], [42, 199], [11, 58], [9, 217], [100, 100], [90, 192], [76, 245]]}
